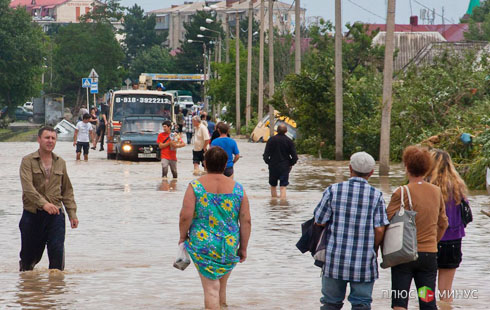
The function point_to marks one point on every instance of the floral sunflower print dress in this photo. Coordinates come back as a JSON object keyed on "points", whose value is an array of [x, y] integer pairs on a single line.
{"points": [[214, 234]]}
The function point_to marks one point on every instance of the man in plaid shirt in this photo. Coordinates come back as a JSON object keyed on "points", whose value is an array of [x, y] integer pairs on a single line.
{"points": [[188, 127], [355, 215]]}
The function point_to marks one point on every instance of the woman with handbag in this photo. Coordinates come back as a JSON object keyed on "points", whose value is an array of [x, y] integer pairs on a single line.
{"points": [[454, 191], [431, 223], [215, 225]]}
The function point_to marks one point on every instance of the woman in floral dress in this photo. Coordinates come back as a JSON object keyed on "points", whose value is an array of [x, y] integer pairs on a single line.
{"points": [[215, 225]]}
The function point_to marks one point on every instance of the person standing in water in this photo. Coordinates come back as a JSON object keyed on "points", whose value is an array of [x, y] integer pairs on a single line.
{"points": [[46, 188], [280, 156]]}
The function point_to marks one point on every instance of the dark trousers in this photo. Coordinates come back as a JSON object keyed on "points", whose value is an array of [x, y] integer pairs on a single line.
{"points": [[37, 231], [424, 272], [101, 134], [189, 137]]}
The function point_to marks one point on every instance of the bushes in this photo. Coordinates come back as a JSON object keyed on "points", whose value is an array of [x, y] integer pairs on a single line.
{"points": [[432, 105], [430, 100], [309, 97]]}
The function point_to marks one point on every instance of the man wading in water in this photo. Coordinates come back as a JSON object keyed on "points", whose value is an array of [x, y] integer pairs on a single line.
{"points": [[46, 187]]}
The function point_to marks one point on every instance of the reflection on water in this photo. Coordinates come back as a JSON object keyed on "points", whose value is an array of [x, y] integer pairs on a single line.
{"points": [[168, 186], [279, 202], [41, 289], [121, 255]]}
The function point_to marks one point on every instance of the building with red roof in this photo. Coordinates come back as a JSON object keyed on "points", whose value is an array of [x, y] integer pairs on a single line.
{"points": [[61, 11], [411, 38], [452, 33]]}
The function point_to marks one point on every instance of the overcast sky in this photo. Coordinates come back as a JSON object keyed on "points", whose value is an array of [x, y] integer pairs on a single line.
{"points": [[453, 9]]}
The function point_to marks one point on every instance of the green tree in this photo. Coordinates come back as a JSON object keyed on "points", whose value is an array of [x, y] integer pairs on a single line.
{"points": [[224, 88], [190, 57], [154, 60], [81, 47], [309, 98], [140, 32], [479, 28], [283, 65], [21, 56], [244, 31], [104, 11]]}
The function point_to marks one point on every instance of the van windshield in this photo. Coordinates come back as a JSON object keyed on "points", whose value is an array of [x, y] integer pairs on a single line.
{"points": [[185, 99], [140, 104], [141, 125]]}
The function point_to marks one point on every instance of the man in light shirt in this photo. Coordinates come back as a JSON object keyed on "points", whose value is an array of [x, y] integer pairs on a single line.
{"points": [[201, 142], [47, 194]]}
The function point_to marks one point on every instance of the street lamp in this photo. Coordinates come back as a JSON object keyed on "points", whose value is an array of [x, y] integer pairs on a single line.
{"points": [[202, 28], [210, 8], [204, 70], [216, 47]]}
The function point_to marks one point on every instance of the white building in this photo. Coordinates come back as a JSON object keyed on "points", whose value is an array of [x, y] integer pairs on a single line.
{"points": [[172, 19]]}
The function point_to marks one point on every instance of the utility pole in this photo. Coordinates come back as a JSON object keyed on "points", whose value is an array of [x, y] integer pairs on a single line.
{"points": [[271, 66], [260, 109], [227, 45], [384, 149], [205, 78], [297, 37], [219, 48], [237, 71], [248, 111], [339, 111]]}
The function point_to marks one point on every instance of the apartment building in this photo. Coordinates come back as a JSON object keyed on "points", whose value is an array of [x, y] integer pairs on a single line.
{"points": [[61, 11], [172, 19]]}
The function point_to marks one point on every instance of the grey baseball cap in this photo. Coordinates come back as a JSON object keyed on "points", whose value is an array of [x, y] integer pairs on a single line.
{"points": [[362, 162]]}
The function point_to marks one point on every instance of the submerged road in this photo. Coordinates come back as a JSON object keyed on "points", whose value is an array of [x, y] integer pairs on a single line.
{"points": [[121, 255]]}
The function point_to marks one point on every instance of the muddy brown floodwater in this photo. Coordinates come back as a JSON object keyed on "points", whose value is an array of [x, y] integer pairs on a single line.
{"points": [[121, 255]]}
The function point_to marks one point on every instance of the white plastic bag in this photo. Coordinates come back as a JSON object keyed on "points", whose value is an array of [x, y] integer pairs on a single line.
{"points": [[183, 260]]}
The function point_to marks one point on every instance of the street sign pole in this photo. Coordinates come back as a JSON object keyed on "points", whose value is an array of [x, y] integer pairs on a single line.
{"points": [[95, 80], [86, 83]]}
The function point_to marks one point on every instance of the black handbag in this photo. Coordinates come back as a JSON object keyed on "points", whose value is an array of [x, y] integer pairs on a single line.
{"points": [[466, 214]]}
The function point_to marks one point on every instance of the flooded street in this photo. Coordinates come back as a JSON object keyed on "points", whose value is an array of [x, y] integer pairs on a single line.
{"points": [[121, 255]]}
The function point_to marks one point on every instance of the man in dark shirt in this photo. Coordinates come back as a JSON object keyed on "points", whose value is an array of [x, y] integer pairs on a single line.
{"points": [[103, 116], [211, 125], [280, 155]]}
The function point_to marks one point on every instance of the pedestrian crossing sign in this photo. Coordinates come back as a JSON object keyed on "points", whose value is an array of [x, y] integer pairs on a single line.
{"points": [[86, 82]]}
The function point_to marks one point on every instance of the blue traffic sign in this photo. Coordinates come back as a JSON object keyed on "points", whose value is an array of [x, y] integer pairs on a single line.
{"points": [[86, 82], [94, 88]]}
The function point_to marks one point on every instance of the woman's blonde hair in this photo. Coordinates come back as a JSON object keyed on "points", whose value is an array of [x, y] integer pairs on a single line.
{"points": [[444, 175]]}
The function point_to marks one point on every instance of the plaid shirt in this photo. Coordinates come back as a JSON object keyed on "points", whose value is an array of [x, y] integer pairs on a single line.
{"points": [[188, 123], [351, 210]]}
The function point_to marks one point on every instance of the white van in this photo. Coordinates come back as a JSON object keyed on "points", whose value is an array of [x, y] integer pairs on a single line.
{"points": [[185, 102]]}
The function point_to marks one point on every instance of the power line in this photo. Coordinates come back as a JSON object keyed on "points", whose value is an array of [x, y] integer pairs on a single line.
{"points": [[362, 8], [433, 11], [383, 18], [460, 26]]}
